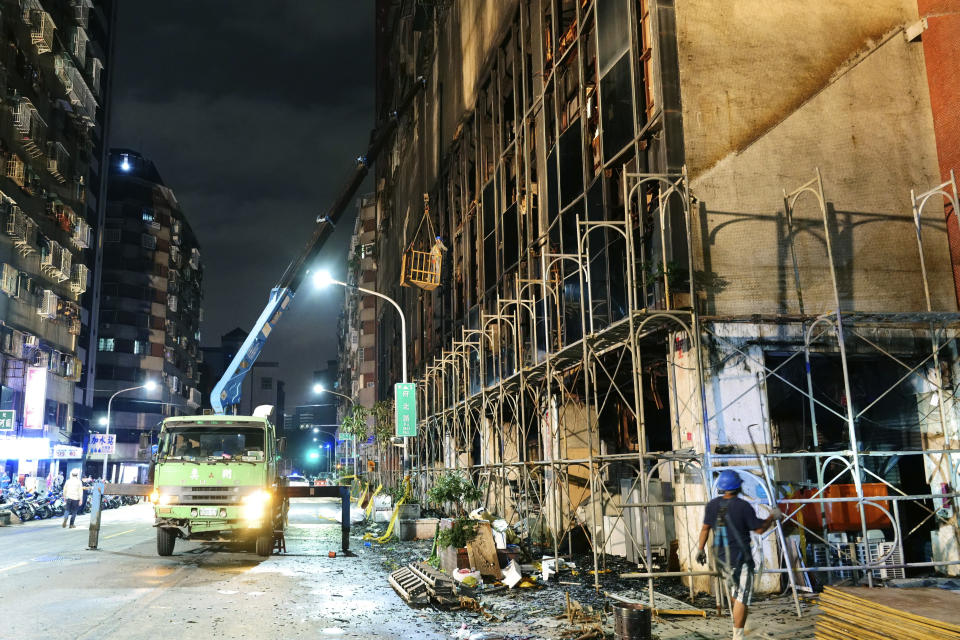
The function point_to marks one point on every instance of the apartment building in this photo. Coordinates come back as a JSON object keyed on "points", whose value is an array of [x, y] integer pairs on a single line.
{"points": [[642, 241], [150, 308], [52, 134], [358, 333]]}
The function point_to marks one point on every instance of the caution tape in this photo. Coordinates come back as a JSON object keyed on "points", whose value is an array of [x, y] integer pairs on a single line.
{"points": [[368, 537], [396, 512], [370, 501], [393, 520], [363, 495]]}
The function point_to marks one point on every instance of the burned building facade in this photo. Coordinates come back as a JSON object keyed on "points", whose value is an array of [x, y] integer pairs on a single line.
{"points": [[648, 240]]}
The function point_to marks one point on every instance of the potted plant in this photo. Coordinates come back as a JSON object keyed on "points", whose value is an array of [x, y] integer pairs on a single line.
{"points": [[456, 488]]}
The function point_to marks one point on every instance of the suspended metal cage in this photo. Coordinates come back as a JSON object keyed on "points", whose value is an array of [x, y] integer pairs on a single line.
{"points": [[422, 268]]}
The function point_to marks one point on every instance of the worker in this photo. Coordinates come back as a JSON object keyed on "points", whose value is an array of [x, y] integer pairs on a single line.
{"points": [[733, 518]]}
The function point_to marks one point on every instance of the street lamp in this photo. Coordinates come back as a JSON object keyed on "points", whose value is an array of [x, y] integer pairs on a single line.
{"points": [[149, 385], [322, 279], [318, 388]]}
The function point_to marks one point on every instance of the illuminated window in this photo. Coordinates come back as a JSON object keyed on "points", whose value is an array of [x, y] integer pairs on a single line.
{"points": [[106, 344]]}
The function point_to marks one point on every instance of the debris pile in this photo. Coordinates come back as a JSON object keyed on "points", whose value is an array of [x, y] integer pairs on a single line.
{"points": [[420, 583]]}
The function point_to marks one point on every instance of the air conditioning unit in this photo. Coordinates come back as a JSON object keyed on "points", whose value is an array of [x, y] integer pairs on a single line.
{"points": [[48, 305]]}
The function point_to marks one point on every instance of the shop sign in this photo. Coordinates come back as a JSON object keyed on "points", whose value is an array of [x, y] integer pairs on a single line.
{"points": [[8, 419], [34, 398], [65, 451], [24, 449], [102, 443]]}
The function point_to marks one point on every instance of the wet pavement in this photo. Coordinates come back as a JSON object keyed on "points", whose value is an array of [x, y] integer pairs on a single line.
{"points": [[52, 586]]}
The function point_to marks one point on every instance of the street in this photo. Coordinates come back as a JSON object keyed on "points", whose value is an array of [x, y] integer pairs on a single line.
{"points": [[125, 590]]}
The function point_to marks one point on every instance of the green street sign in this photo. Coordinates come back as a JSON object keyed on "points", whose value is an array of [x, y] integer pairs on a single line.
{"points": [[405, 401], [343, 435], [8, 419]]}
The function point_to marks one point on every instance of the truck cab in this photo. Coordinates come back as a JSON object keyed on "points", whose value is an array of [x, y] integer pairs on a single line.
{"points": [[217, 478]]}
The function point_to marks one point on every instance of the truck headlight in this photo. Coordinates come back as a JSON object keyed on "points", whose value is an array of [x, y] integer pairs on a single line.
{"points": [[154, 496], [255, 504]]}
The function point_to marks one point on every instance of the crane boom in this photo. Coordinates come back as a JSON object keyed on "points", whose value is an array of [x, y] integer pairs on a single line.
{"points": [[227, 392]]}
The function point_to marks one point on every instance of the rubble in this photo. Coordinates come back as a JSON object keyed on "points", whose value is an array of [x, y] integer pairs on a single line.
{"points": [[569, 606]]}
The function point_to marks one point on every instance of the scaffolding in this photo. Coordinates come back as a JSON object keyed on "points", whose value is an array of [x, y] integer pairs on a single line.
{"points": [[578, 382], [517, 423]]}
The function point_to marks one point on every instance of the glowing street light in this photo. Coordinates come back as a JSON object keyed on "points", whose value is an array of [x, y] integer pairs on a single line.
{"points": [[322, 279], [148, 386]]}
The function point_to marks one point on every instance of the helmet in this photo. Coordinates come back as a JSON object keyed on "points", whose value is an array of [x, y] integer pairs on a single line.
{"points": [[729, 480]]}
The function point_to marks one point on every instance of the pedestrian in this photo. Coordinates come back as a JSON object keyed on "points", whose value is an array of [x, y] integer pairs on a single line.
{"points": [[732, 519], [72, 492], [4, 480]]}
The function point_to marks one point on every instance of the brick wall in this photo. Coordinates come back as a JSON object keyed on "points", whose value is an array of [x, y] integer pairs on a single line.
{"points": [[941, 49]]}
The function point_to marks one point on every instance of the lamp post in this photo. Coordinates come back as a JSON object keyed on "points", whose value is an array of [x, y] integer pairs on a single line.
{"points": [[149, 385], [318, 388], [323, 278]]}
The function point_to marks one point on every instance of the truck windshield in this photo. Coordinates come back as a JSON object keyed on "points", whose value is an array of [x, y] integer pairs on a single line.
{"points": [[208, 443]]}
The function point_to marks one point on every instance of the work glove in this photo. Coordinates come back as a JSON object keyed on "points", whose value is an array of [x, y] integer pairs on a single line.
{"points": [[702, 557], [776, 514]]}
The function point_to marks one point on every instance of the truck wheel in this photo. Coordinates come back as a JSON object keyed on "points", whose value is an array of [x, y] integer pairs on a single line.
{"points": [[265, 544], [166, 539]]}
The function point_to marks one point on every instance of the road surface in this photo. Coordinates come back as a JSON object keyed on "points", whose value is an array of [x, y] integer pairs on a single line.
{"points": [[51, 586]]}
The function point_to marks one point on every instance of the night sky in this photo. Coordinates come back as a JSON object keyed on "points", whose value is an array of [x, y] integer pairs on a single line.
{"points": [[252, 112]]}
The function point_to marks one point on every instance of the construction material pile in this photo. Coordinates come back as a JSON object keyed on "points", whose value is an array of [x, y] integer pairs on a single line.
{"points": [[849, 613]]}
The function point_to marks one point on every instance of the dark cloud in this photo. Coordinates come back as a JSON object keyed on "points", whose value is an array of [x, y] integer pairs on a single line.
{"points": [[252, 112]]}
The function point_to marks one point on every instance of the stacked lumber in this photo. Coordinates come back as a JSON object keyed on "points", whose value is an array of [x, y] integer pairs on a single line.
{"points": [[856, 613]]}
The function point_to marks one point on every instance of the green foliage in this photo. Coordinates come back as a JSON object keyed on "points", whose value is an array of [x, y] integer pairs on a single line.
{"points": [[463, 531], [396, 493], [383, 428], [355, 423], [455, 487]]}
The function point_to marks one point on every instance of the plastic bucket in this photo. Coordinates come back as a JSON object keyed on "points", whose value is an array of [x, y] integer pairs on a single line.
{"points": [[631, 621]]}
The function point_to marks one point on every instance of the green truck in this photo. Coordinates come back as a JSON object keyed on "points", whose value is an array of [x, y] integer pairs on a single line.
{"points": [[218, 478]]}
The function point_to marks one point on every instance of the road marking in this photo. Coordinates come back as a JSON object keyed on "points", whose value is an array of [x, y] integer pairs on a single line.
{"points": [[13, 566], [114, 535]]}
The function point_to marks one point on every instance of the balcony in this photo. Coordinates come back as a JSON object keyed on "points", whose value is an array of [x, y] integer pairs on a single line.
{"points": [[15, 169], [41, 28], [28, 126], [9, 279], [51, 259], [78, 278], [94, 71], [75, 86], [22, 231], [81, 11], [78, 44], [81, 234], [48, 305], [66, 265], [57, 158]]}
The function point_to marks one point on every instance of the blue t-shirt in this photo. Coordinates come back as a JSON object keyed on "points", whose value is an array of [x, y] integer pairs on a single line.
{"points": [[733, 532]]}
